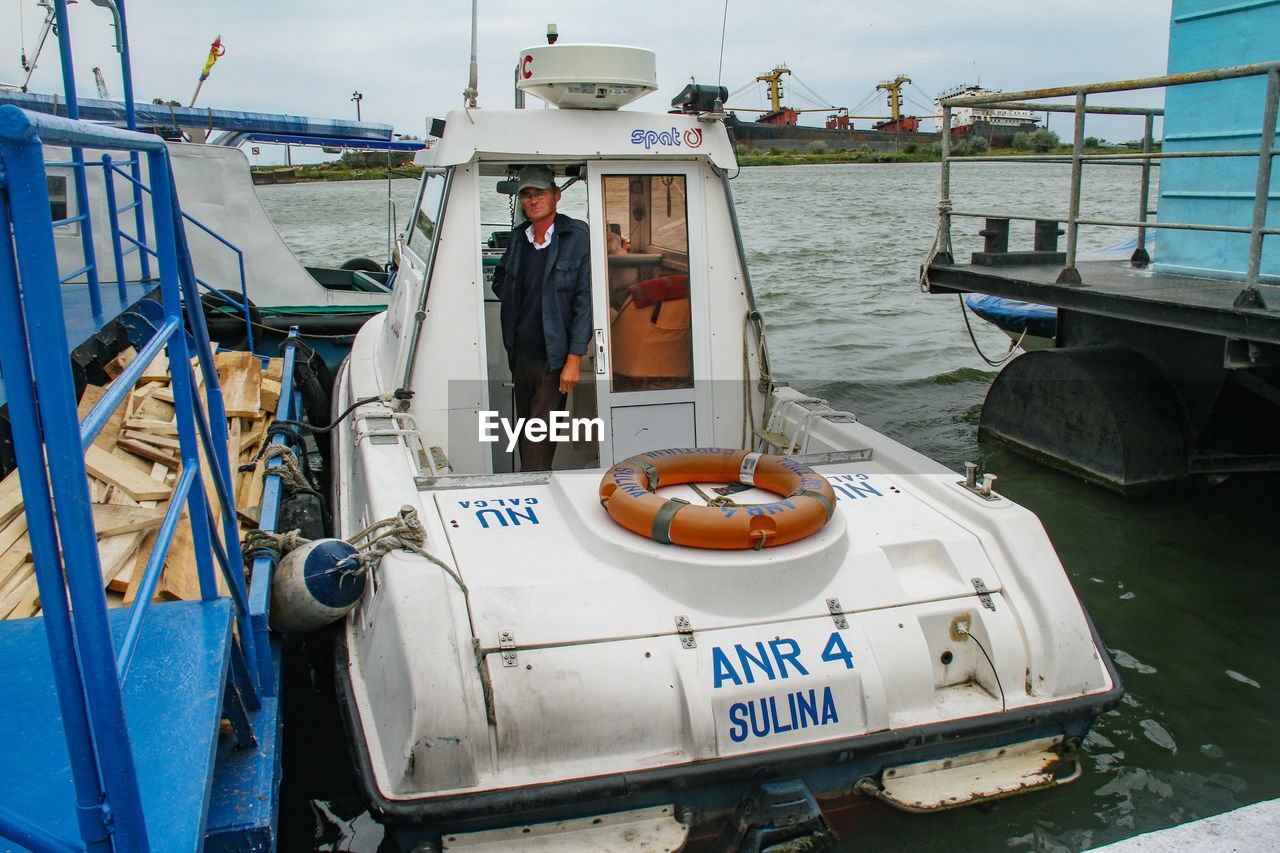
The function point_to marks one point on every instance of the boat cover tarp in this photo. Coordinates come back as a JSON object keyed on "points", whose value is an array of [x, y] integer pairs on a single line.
{"points": [[163, 115], [1012, 315]]}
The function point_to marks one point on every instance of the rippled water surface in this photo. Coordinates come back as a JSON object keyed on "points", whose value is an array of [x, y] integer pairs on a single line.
{"points": [[1184, 587]]}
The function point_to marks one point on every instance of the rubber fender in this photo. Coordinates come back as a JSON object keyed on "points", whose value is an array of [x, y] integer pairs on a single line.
{"points": [[315, 585], [226, 321], [312, 378], [362, 264], [1107, 413], [303, 511]]}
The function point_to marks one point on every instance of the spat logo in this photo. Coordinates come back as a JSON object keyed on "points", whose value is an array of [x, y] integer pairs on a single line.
{"points": [[650, 138], [666, 138]]}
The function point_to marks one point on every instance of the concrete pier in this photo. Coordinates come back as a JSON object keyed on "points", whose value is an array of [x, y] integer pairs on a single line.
{"points": [[1255, 827]]}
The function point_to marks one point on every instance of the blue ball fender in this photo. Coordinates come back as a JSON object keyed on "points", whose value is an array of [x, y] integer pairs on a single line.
{"points": [[315, 585]]}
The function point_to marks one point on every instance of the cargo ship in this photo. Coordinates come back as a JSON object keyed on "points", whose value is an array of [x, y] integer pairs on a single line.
{"points": [[995, 123], [779, 127]]}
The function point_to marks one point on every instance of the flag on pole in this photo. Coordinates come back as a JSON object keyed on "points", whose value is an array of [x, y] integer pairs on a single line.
{"points": [[215, 50]]}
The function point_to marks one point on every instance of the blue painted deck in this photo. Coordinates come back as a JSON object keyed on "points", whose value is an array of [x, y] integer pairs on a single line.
{"points": [[150, 765], [172, 699], [244, 802], [80, 323], [92, 759]]}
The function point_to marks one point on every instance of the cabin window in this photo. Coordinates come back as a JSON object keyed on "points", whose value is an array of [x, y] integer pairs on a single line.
{"points": [[421, 228], [57, 196], [651, 343]]}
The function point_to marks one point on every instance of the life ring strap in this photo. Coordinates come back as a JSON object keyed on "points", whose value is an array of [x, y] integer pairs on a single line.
{"points": [[666, 515], [650, 472], [818, 496]]}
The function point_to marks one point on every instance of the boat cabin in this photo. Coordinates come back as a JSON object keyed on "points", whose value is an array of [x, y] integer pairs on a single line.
{"points": [[668, 363]]}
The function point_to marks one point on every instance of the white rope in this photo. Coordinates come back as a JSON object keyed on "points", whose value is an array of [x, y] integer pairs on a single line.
{"points": [[402, 532], [405, 532], [944, 208]]}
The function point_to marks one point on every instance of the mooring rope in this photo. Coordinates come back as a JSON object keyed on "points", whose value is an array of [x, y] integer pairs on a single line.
{"points": [[944, 210], [403, 531], [400, 532], [289, 472]]}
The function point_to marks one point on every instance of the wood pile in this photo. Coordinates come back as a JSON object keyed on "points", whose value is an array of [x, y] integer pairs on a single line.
{"points": [[132, 466]]}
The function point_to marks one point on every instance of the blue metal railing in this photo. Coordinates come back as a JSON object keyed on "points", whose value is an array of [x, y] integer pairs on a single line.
{"points": [[244, 289], [113, 217], [89, 670], [137, 244]]}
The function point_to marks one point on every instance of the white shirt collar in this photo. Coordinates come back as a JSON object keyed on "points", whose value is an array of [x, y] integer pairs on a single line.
{"points": [[528, 232]]}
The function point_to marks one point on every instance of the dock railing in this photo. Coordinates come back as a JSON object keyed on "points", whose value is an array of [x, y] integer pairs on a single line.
{"points": [[1250, 296], [89, 667]]}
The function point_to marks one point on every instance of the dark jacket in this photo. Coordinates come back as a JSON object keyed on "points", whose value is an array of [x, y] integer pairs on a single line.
{"points": [[566, 290]]}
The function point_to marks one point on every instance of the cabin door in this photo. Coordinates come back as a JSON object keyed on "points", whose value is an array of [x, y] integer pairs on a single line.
{"points": [[649, 267]]}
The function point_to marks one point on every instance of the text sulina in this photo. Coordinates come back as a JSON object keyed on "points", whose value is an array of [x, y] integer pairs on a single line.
{"points": [[771, 715]]}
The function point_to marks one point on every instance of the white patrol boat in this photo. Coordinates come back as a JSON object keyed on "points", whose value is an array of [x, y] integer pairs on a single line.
{"points": [[873, 628]]}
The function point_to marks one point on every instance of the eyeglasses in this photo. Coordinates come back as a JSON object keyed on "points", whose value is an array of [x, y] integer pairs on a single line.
{"points": [[531, 194]]}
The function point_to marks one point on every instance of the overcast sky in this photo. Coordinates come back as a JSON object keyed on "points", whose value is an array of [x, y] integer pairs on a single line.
{"points": [[409, 59]]}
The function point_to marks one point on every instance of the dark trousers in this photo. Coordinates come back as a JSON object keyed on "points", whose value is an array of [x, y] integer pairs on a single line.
{"points": [[537, 395]]}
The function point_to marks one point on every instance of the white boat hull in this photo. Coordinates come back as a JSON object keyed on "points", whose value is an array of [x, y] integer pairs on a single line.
{"points": [[539, 663]]}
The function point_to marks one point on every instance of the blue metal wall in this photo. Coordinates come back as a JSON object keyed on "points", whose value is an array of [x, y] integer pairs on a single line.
{"points": [[1224, 115]]}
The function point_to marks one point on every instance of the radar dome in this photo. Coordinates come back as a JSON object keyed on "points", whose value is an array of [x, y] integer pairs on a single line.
{"points": [[587, 76]]}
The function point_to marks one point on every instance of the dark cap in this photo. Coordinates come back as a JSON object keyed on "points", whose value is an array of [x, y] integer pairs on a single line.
{"points": [[536, 177]]}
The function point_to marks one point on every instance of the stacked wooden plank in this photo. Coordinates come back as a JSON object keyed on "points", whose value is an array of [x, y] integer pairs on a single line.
{"points": [[132, 467]]}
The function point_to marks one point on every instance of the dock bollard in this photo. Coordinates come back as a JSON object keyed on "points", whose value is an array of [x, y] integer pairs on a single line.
{"points": [[996, 235]]}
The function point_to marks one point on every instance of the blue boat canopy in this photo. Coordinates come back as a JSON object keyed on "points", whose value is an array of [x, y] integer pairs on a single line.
{"points": [[235, 138], [1014, 316], [164, 115]]}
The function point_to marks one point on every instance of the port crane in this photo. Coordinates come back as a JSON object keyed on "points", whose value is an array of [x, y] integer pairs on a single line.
{"points": [[777, 113], [894, 88]]}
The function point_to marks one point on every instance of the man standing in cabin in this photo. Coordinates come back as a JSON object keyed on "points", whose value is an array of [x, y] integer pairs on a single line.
{"points": [[544, 282]]}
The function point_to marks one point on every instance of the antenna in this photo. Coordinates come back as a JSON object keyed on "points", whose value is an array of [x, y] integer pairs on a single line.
{"points": [[724, 23], [472, 85]]}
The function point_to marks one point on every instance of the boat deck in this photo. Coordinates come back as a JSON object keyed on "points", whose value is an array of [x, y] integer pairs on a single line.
{"points": [[172, 699], [1118, 290], [81, 325]]}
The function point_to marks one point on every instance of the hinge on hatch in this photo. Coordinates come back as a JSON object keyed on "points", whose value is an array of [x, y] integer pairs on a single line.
{"points": [[837, 613], [507, 643], [984, 594], [684, 628]]}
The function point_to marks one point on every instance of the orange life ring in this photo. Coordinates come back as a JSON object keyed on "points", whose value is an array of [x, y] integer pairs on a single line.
{"points": [[627, 493]]}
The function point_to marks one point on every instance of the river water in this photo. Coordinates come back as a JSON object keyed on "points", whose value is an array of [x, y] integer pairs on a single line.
{"points": [[1184, 586]]}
